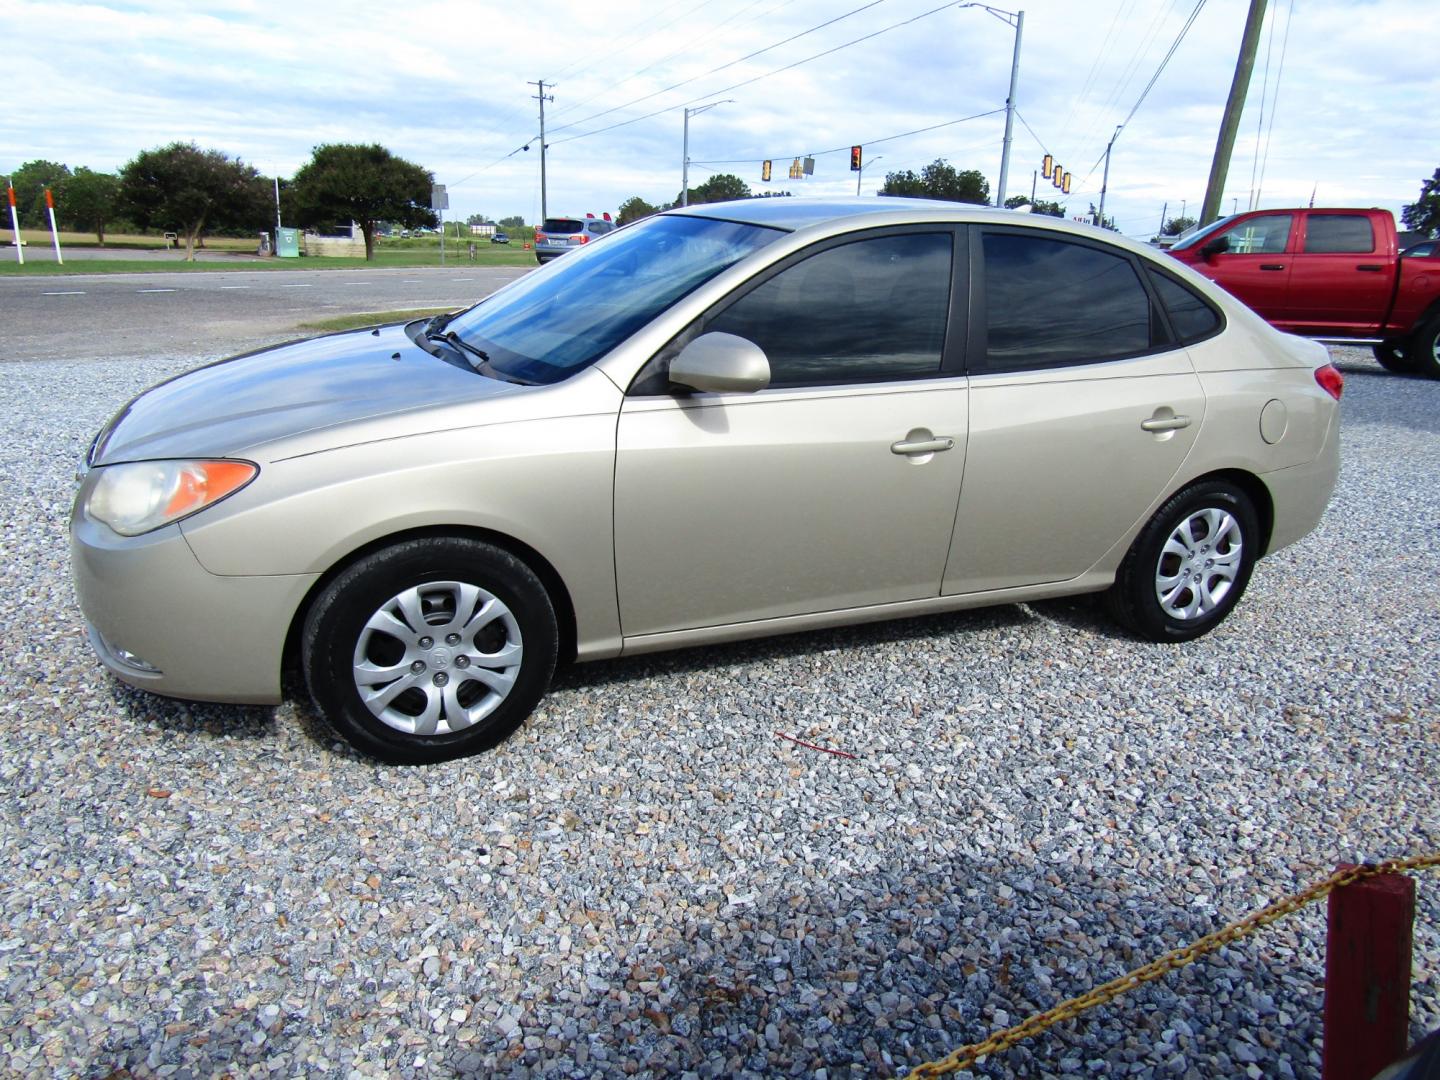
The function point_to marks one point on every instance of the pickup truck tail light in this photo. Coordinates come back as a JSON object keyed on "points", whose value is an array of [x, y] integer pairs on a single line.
{"points": [[1330, 380]]}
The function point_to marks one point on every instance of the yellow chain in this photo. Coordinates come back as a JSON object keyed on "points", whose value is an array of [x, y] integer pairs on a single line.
{"points": [[966, 1056]]}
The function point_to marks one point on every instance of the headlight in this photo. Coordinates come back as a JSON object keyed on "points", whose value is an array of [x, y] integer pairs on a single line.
{"points": [[135, 498]]}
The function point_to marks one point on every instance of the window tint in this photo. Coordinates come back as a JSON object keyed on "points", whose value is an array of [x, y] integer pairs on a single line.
{"points": [[1054, 302], [1338, 234], [1265, 235], [1191, 316], [560, 225], [872, 309]]}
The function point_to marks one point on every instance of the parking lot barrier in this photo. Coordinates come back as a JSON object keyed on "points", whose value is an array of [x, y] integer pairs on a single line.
{"points": [[966, 1056]]}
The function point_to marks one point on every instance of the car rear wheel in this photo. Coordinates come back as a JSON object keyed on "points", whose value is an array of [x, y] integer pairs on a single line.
{"points": [[1424, 348], [1391, 356], [429, 650], [1189, 565]]}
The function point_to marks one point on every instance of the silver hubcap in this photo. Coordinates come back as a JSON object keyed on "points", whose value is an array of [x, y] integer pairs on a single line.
{"points": [[1198, 564], [437, 658]]}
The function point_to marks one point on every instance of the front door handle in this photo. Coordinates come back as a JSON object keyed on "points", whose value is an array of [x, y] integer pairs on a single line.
{"points": [[1272, 266], [922, 446], [1165, 423], [1374, 268]]}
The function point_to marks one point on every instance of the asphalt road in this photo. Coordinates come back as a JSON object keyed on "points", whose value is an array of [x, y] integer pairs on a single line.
{"points": [[155, 314]]}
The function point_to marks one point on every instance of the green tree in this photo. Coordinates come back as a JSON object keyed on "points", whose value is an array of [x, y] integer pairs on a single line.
{"points": [[31, 180], [1094, 218], [633, 209], [477, 219], [185, 189], [1039, 206], [939, 180], [367, 184], [722, 187], [514, 221], [86, 200], [1423, 214], [1176, 226]]}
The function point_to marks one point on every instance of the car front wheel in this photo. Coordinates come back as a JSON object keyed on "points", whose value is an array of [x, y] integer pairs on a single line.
{"points": [[1189, 565], [429, 650]]}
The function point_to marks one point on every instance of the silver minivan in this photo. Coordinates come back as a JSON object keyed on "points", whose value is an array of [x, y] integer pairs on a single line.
{"points": [[557, 235]]}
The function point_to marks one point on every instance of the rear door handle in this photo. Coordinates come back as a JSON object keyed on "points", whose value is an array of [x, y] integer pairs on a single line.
{"points": [[1165, 423], [1272, 266], [922, 446]]}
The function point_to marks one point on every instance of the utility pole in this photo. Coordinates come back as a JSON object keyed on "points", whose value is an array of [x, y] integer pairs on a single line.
{"points": [[1105, 180], [1234, 106], [542, 97], [1163, 210]]}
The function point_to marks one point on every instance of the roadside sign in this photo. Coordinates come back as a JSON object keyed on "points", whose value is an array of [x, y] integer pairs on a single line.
{"points": [[439, 198]]}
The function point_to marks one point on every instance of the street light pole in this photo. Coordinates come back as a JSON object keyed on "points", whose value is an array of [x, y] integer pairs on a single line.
{"points": [[860, 172], [1014, 19], [685, 148]]}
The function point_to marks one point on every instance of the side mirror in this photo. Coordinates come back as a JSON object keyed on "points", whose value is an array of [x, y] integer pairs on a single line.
{"points": [[721, 363], [1218, 246]]}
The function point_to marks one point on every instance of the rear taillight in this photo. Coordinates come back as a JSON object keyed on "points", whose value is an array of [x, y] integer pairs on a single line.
{"points": [[583, 239], [1330, 380]]}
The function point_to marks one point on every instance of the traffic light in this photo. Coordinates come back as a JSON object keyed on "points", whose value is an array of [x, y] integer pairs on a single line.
{"points": [[1065, 186], [1057, 177], [797, 172], [765, 171], [1047, 166], [854, 159]]}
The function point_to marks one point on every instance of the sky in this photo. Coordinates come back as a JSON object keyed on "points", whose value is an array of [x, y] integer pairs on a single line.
{"points": [[1342, 103]]}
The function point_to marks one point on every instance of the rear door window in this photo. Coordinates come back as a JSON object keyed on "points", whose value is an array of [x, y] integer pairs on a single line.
{"points": [[1338, 234], [1050, 302]]}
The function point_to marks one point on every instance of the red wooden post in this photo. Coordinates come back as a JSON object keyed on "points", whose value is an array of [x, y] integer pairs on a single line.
{"points": [[1367, 976]]}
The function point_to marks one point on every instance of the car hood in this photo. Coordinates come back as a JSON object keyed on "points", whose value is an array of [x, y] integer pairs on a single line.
{"points": [[234, 405]]}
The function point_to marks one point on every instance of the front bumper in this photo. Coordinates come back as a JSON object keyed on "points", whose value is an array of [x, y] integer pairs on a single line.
{"points": [[195, 634]]}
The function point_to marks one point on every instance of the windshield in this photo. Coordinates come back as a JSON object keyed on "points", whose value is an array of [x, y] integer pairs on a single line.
{"points": [[1201, 235], [563, 318], [560, 225]]}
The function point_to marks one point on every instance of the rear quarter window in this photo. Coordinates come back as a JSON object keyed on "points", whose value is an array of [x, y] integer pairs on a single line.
{"points": [[1191, 315]]}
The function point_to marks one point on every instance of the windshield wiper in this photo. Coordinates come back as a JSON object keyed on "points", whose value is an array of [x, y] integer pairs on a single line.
{"points": [[481, 363]]}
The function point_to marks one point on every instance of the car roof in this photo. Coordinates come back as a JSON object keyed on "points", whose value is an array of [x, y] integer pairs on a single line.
{"points": [[843, 214]]}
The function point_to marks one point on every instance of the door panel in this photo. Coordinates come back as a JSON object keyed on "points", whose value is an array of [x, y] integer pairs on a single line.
{"points": [[1257, 267], [736, 507], [1058, 466], [1339, 283]]}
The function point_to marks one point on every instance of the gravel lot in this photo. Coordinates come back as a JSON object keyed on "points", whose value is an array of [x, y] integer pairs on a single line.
{"points": [[646, 880]]}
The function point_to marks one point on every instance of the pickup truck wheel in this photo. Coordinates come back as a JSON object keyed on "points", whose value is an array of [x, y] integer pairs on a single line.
{"points": [[1424, 348], [1392, 357]]}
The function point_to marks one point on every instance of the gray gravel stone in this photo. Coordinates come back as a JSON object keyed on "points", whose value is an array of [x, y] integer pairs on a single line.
{"points": [[646, 881]]}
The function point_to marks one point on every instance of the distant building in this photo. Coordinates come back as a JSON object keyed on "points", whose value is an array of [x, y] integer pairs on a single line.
{"points": [[487, 229]]}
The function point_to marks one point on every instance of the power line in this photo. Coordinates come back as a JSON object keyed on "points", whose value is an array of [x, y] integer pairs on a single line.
{"points": [[846, 147], [722, 67], [1189, 22], [709, 32], [766, 75], [1275, 99]]}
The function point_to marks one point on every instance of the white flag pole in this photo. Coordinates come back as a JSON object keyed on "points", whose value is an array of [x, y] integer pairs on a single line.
{"points": [[54, 232], [15, 224]]}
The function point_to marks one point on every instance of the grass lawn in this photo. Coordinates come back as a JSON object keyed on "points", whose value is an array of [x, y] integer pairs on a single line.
{"points": [[399, 254], [371, 318]]}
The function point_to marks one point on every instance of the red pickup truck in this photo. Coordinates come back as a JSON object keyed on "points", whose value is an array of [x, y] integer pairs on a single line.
{"points": [[1332, 274]]}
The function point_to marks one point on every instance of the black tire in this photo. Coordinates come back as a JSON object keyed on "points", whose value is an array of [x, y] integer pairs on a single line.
{"points": [[1391, 355], [428, 580], [1423, 349], [1134, 599]]}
